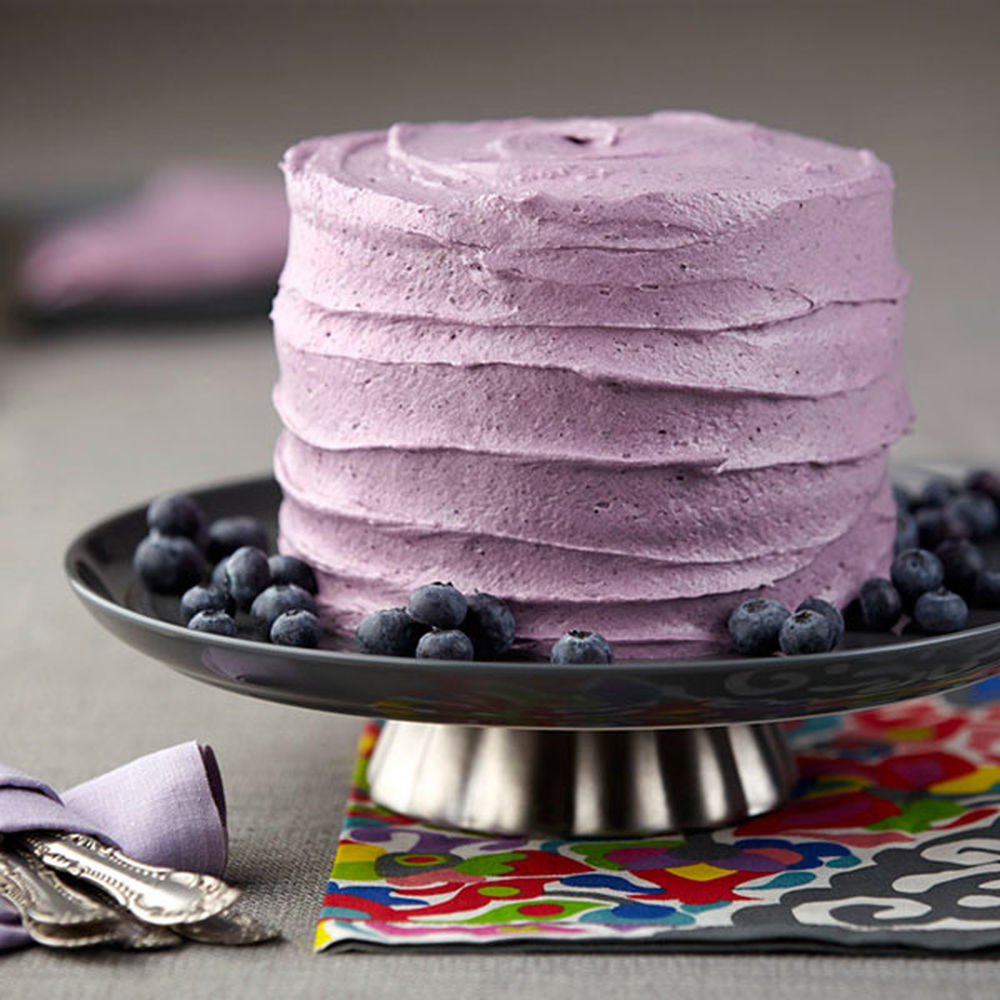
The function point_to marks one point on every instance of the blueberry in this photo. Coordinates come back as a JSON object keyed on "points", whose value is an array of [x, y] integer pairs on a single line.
{"points": [[449, 644], [176, 514], [246, 575], [904, 501], [976, 510], [169, 564], [940, 611], [391, 632], [489, 623], [806, 632], [219, 574], [938, 524], [437, 604], [829, 612], [984, 481], [216, 622], [755, 624], [962, 562], [201, 598], [228, 534], [288, 569], [276, 600], [296, 627], [880, 604], [907, 533], [581, 646], [986, 589], [914, 572], [937, 492]]}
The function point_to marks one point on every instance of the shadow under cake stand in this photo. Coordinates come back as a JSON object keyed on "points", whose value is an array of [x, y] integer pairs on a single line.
{"points": [[638, 747]]}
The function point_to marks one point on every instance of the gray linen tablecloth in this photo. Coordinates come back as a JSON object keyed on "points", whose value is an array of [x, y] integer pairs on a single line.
{"points": [[90, 423], [93, 422]]}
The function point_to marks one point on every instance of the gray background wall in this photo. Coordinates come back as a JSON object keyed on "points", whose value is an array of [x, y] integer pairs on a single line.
{"points": [[96, 93]]}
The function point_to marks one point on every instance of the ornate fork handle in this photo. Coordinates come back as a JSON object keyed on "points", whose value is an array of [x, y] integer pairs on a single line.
{"points": [[37, 892], [155, 895], [52, 912]]}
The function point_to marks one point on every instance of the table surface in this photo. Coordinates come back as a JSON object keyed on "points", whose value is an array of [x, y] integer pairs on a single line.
{"points": [[98, 420], [94, 421]]}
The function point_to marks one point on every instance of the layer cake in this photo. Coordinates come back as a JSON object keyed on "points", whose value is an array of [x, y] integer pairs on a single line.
{"points": [[621, 372]]}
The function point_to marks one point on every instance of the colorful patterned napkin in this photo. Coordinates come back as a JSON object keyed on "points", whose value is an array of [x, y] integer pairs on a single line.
{"points": [[892, 840]]}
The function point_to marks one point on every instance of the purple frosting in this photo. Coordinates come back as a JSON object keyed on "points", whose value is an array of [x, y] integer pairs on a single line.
{"points": [[621, 372]]}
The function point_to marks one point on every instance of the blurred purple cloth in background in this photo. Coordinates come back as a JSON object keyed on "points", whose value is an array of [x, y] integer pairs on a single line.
{"points": [[191, 232], [166, 808]]}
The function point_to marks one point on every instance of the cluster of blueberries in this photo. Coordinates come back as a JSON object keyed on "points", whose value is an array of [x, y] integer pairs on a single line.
{"points": [[760, 626], [937, 571], [222, 568], [440, 622], [276, 591]]}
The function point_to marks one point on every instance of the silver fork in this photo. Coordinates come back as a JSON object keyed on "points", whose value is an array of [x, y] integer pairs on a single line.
{"points": [[58, 915], [197, 907], [154, 895]]}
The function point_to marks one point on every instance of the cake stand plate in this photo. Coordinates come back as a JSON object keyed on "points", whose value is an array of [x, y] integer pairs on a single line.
{"points": [[524, 746]]}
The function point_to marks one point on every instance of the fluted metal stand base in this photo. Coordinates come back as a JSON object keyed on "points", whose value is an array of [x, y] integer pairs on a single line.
{"points": [[580, 783]]}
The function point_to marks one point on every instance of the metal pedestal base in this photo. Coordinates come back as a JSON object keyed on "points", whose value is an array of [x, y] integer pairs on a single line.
{"points": [[580, 783]]}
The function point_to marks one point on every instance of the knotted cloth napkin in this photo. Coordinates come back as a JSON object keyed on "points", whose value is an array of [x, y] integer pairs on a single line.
{"points": [[166, 808]]}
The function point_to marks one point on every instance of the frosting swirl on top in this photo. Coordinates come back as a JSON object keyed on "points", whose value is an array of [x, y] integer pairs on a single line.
{"points": [[604, 338], [658, 180], [673, 221]]}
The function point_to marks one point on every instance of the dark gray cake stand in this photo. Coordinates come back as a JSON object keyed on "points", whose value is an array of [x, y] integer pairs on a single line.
{"points": [[509, 747]]}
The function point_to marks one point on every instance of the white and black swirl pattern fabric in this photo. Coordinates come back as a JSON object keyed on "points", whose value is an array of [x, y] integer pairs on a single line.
{"points": [[890, 843]]}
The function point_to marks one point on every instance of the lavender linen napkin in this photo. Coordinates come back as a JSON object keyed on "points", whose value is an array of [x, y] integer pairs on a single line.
{"points": [[192, 232], [166, 808]]}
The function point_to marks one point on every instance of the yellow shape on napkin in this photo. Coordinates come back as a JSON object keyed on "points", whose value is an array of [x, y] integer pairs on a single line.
{"points": [[910, 734], [980, 780], [700, 872], [356, 862]]}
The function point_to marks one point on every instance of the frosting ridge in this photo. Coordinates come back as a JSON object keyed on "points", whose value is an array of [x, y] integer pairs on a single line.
{"points": [[598, 366]]}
